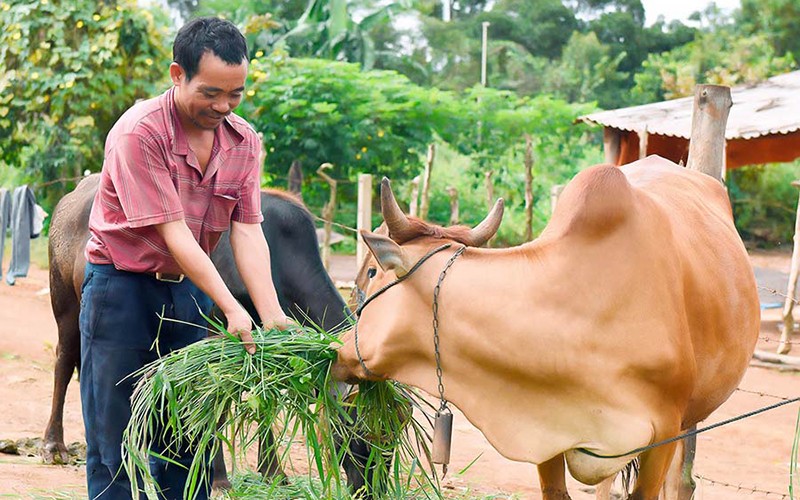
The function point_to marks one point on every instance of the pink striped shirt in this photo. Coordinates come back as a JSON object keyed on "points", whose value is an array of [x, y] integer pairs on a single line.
{"points": [[150, 176]]}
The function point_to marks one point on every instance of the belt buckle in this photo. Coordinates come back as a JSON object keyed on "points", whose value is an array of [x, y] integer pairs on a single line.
{"points": [[170, 278]]}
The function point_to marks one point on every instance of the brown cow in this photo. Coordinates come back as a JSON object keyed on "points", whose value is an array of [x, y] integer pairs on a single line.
{"points": [[631, 318]]}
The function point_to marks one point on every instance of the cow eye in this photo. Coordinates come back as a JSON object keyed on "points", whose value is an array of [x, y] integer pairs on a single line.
{"points": [[371, 272]]}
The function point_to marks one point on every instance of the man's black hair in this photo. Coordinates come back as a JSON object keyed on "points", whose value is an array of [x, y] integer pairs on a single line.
{"points": [[203, 34]]}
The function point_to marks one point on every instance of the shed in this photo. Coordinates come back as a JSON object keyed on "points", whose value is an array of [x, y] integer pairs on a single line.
{"points": [[763, 126]]}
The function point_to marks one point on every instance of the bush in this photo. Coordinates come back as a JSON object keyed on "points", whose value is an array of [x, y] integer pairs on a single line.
{"points": [[68, 70], [765, 202]]}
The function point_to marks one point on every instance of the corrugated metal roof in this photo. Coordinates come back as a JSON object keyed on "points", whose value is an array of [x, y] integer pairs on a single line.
{"points": [[766, 108]]}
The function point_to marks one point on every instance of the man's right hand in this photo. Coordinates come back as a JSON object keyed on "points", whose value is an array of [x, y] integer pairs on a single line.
{"points": [[240, 324]]}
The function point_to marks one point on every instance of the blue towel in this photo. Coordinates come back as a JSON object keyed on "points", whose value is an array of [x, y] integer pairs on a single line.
{"points": [[23, 206], [5, 222]]}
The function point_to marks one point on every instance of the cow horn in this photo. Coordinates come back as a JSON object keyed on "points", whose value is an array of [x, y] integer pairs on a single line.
{"points": [[481, 233], [396, 220]]}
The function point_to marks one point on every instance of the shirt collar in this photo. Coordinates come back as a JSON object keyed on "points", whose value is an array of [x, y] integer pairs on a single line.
{"points": [[230, 133]]}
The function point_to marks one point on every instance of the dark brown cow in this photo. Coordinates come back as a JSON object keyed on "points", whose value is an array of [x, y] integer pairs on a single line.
{"points": [[631, 318]]}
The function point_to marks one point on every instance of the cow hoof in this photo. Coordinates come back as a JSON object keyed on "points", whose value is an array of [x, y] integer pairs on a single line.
{"points": [[221, 485], [55, 454]]}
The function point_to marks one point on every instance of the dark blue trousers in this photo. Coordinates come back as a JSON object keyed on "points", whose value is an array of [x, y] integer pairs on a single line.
{"points": [[121, 332]]}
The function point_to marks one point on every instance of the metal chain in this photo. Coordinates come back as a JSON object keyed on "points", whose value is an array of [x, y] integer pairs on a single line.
{"points": [[436, 352]]}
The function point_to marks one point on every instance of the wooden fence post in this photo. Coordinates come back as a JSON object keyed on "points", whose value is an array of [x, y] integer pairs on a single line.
{"points": [[528, 187], [412, 204], [712, 104], [611, 145], [788, 306], [555, 192], [489, 196], [426, 183], [295, 183], [364, 216], [328, 212], [643, 143], [453, 193]]}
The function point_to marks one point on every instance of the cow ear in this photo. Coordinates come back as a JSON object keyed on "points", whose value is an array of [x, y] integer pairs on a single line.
{"points": [[389, 254]]}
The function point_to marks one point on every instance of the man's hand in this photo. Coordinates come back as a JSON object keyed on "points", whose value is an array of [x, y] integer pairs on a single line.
{"points": [[278, 320], [240, 324]]}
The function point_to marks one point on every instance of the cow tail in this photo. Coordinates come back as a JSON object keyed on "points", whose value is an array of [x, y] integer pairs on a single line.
{"points": [[629, 475]]}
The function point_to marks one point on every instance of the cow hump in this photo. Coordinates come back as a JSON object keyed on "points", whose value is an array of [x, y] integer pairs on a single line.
{"points": [[595, 203]]}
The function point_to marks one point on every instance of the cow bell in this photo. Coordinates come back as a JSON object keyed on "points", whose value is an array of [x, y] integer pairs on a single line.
{"points": [[442, 436]]}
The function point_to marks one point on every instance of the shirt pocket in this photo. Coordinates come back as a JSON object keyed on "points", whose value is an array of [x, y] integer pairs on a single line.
{"points": [[220, 210]]}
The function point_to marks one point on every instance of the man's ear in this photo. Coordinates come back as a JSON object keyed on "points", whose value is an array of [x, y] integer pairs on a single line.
{"points": [[388, 253], [176, 73]]}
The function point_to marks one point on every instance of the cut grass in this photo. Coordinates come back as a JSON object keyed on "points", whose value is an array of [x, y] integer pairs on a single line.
{"points": [[210, 393]]}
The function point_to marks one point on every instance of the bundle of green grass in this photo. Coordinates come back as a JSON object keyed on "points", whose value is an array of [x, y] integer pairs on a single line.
{"points": [[214, 394]]}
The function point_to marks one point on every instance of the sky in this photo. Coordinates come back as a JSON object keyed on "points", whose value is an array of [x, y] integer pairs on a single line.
{"points": [[681, 9]]}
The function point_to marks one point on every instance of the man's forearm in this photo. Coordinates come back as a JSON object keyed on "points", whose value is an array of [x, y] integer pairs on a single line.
{"points": [[252, 256], [197, 265]]}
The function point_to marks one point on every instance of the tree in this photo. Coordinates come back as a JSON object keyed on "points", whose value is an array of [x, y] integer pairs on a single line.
{"points": [[721, 57], [318, 111], [329, 29], [67, 72], [777, 20], [587, 72]]}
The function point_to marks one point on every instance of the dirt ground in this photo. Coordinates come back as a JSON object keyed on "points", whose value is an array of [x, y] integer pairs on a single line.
{"points": [[748, 459]]}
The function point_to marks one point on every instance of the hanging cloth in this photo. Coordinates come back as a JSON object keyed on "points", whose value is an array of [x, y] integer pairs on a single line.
{"points": [[5, 222], [23, 205]]}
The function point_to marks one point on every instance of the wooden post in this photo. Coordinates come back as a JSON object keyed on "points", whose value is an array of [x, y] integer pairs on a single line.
{"points": [[489, 196], [528, 187], [712, 104], [453, 193], [426, 183], [791, 289], [295, 184], [555, 192], [364, 216], [328, 212], [412, 205], [487, 183], [611, 145], [643, 143]]}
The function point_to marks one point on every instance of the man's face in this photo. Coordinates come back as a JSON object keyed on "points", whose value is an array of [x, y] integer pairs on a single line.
{"points": [[212, 93]]}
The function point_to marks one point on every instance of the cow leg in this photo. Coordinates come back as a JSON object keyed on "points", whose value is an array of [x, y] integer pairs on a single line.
{"points": [[552, 479], [219, 472], [365, 478], [652, 472], [68, 354], [680, 483], [603, 490], [268, 464]]}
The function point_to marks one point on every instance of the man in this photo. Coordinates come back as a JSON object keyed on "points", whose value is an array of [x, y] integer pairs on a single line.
{"points": [[179, 170]]}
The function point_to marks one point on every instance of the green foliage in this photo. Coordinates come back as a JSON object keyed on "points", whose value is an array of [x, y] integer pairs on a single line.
{"points": [[765, 202], [720, 57], [213, 392], [777, 20], [587, 71], [560, 149], [68, 69], [318, 111]]}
